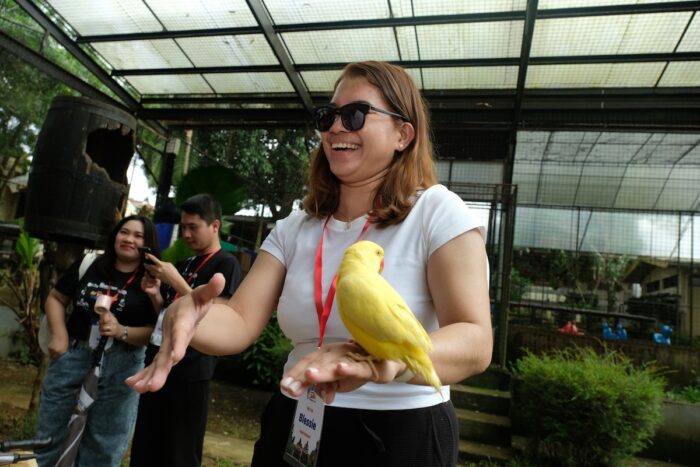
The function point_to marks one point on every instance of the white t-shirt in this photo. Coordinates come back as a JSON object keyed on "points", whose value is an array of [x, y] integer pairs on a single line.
{"points": [[437, 217]]}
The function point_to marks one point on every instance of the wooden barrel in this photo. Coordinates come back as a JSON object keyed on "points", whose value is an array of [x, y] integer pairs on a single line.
{"points": [[77, 182]]}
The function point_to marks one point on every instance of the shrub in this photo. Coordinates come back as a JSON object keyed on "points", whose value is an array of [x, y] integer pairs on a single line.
{"points": [[265, 359], [586, 409], [687, 394]]}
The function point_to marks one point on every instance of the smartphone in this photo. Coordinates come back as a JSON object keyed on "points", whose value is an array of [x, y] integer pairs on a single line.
{"points": [[142, 251]]}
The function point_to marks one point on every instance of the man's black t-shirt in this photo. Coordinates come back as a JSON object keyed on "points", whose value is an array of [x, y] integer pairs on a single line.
{"points": [[131, 308], [196, 366]]}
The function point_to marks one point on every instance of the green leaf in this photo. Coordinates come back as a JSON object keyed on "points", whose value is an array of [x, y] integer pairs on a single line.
{"points": [[27, 249], [222, 183], [176, 252]]}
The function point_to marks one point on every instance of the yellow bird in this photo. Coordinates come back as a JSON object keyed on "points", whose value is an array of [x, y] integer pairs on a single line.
{"points": [[377, 317]]}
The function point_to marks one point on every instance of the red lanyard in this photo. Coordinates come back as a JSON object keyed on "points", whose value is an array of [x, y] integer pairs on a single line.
{"points": [[192, 277], [323, 310], [126, 284]]}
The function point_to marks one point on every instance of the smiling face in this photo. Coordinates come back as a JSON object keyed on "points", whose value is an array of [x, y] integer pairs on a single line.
{"points": [[129, 238], [362, 155]]}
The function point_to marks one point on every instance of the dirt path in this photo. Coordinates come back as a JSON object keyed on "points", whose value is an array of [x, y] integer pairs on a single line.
{"points": [[231, 431]]}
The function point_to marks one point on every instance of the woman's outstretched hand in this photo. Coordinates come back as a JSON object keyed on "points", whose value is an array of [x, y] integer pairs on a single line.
{"points": [[179, 324], [332, 371]]}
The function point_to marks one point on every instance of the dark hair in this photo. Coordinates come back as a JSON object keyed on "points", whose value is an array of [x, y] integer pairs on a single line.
{"points": [[411, 169], [105, 263], [204, 205]]}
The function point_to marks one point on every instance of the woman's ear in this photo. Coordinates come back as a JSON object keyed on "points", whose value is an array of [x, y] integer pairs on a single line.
{"points": [[406, 135]]}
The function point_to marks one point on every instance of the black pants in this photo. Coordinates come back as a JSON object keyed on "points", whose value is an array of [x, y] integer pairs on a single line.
{"points": [[170, 426], [351, 437]]}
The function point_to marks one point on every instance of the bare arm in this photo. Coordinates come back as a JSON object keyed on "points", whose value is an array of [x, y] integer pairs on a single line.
{"points": [[55, 309], [214, 327], [229, 328], [458, 282]]}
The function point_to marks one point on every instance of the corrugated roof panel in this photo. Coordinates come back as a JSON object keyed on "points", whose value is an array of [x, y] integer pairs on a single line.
{"points": [[491, 77], [313, 11], [614, 232], [549, 4], [598, 186], [111, 17], [470, 40], [641, 187], [681, 190], [594, 75], [681, 74], [249, 82], [622, 137], [343, 45], [564, 152], [249, 49], [323, 81], [558, 184], [408, 45], [670, 154], [649, 147], [547, 228], [526, 176], [533, 136], [691, 38], [610, 153], [417, 75], [320, 81], [202, 14], [450, 7], [169, 84], [603, 35], [161, 53], [531, 145], [692, 157]]}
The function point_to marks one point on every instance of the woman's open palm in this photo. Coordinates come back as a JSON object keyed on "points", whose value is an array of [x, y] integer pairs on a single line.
{"points": [[179, 325]]}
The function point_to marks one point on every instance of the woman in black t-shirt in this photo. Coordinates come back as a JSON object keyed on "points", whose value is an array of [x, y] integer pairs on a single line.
{"points": [[115, 276]]}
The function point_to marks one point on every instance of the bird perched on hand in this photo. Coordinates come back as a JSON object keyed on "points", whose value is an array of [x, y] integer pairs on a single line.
{"points": [[378, 319]]}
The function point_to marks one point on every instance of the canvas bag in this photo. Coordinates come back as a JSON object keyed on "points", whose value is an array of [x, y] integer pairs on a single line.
{"points": [[44, 335]]}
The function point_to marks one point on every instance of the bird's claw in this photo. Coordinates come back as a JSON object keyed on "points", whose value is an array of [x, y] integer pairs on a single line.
{"points": [[357, 357]]}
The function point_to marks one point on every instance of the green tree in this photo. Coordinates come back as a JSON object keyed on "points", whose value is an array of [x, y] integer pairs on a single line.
{"points": [[272, 162], [21, 278], [25, 98], [582, 274]]}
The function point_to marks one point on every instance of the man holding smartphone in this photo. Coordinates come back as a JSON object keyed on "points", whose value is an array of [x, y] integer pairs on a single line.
{"points": [[171, 423]]}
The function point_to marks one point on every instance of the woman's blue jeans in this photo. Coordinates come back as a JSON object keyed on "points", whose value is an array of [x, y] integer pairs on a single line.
{"points": [[110, 419]]}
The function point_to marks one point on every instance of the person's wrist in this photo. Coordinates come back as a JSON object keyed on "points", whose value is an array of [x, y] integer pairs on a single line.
{"points": [[125, 334]]}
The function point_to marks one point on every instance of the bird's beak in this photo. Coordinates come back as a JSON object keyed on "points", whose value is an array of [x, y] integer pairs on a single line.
{"points": [[381, 265]]}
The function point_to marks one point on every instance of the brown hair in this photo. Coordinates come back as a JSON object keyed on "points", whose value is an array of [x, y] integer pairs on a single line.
{"points": [[411, 169]]}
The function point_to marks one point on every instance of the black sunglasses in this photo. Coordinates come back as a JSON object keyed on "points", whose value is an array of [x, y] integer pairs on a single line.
{"points": [[352, 115]]}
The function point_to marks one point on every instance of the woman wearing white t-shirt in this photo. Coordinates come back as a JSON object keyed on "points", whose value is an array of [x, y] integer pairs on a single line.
{"points": [[372, 177]]}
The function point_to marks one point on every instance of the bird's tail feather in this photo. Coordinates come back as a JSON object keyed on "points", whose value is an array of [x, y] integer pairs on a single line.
{"points": [[420, 364]]}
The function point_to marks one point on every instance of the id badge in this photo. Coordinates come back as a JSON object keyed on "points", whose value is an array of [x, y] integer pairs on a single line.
{"points": [[305, 438], [94, 335], [157, 334]]}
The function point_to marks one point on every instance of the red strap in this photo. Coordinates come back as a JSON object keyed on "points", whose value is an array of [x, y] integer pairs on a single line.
{"points": [[126, 284], [190, 279], [323, 310]]}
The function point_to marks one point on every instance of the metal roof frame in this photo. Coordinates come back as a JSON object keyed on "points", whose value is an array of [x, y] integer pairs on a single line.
{"points": [[652, 108]]}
